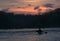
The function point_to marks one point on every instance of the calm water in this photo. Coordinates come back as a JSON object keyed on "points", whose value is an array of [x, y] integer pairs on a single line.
{"points": [[30, 35]]}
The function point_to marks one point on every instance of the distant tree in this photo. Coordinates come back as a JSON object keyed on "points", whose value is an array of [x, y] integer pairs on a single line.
{"points": [[53, 18]]}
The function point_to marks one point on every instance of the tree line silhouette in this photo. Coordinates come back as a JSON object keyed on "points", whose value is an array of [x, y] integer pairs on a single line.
{"points": [[11, 21]]}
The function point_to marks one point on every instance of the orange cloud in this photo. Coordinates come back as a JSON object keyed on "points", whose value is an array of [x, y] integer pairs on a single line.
{"points": [[30, 10]]}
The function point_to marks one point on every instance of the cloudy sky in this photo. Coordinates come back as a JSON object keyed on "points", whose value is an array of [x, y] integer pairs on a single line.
{"points": [[22, 3], [29, 5]]}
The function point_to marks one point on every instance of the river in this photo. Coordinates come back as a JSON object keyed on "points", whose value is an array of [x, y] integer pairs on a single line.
{"points": [[53, 34]]}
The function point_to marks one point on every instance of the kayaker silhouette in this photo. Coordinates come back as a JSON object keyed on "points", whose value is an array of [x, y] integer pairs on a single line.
{"points": [[39, 31]]}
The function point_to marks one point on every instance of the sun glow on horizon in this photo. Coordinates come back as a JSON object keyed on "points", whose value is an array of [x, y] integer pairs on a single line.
{"points": [[29, 10]]}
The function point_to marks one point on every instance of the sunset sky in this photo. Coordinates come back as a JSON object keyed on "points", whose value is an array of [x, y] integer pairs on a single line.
{"points": [[4, 4], [30, 10]]}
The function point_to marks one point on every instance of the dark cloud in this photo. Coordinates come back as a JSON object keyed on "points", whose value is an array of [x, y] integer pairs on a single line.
{"points": [[29, 4], [37, 7], [49, 5], [57, 0]]}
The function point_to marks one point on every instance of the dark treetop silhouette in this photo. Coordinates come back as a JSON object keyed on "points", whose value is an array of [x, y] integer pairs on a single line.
{"points": [[11, 21]]}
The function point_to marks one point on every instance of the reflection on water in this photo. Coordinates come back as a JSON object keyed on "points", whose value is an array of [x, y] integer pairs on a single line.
{"points": [[30, 35]]}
